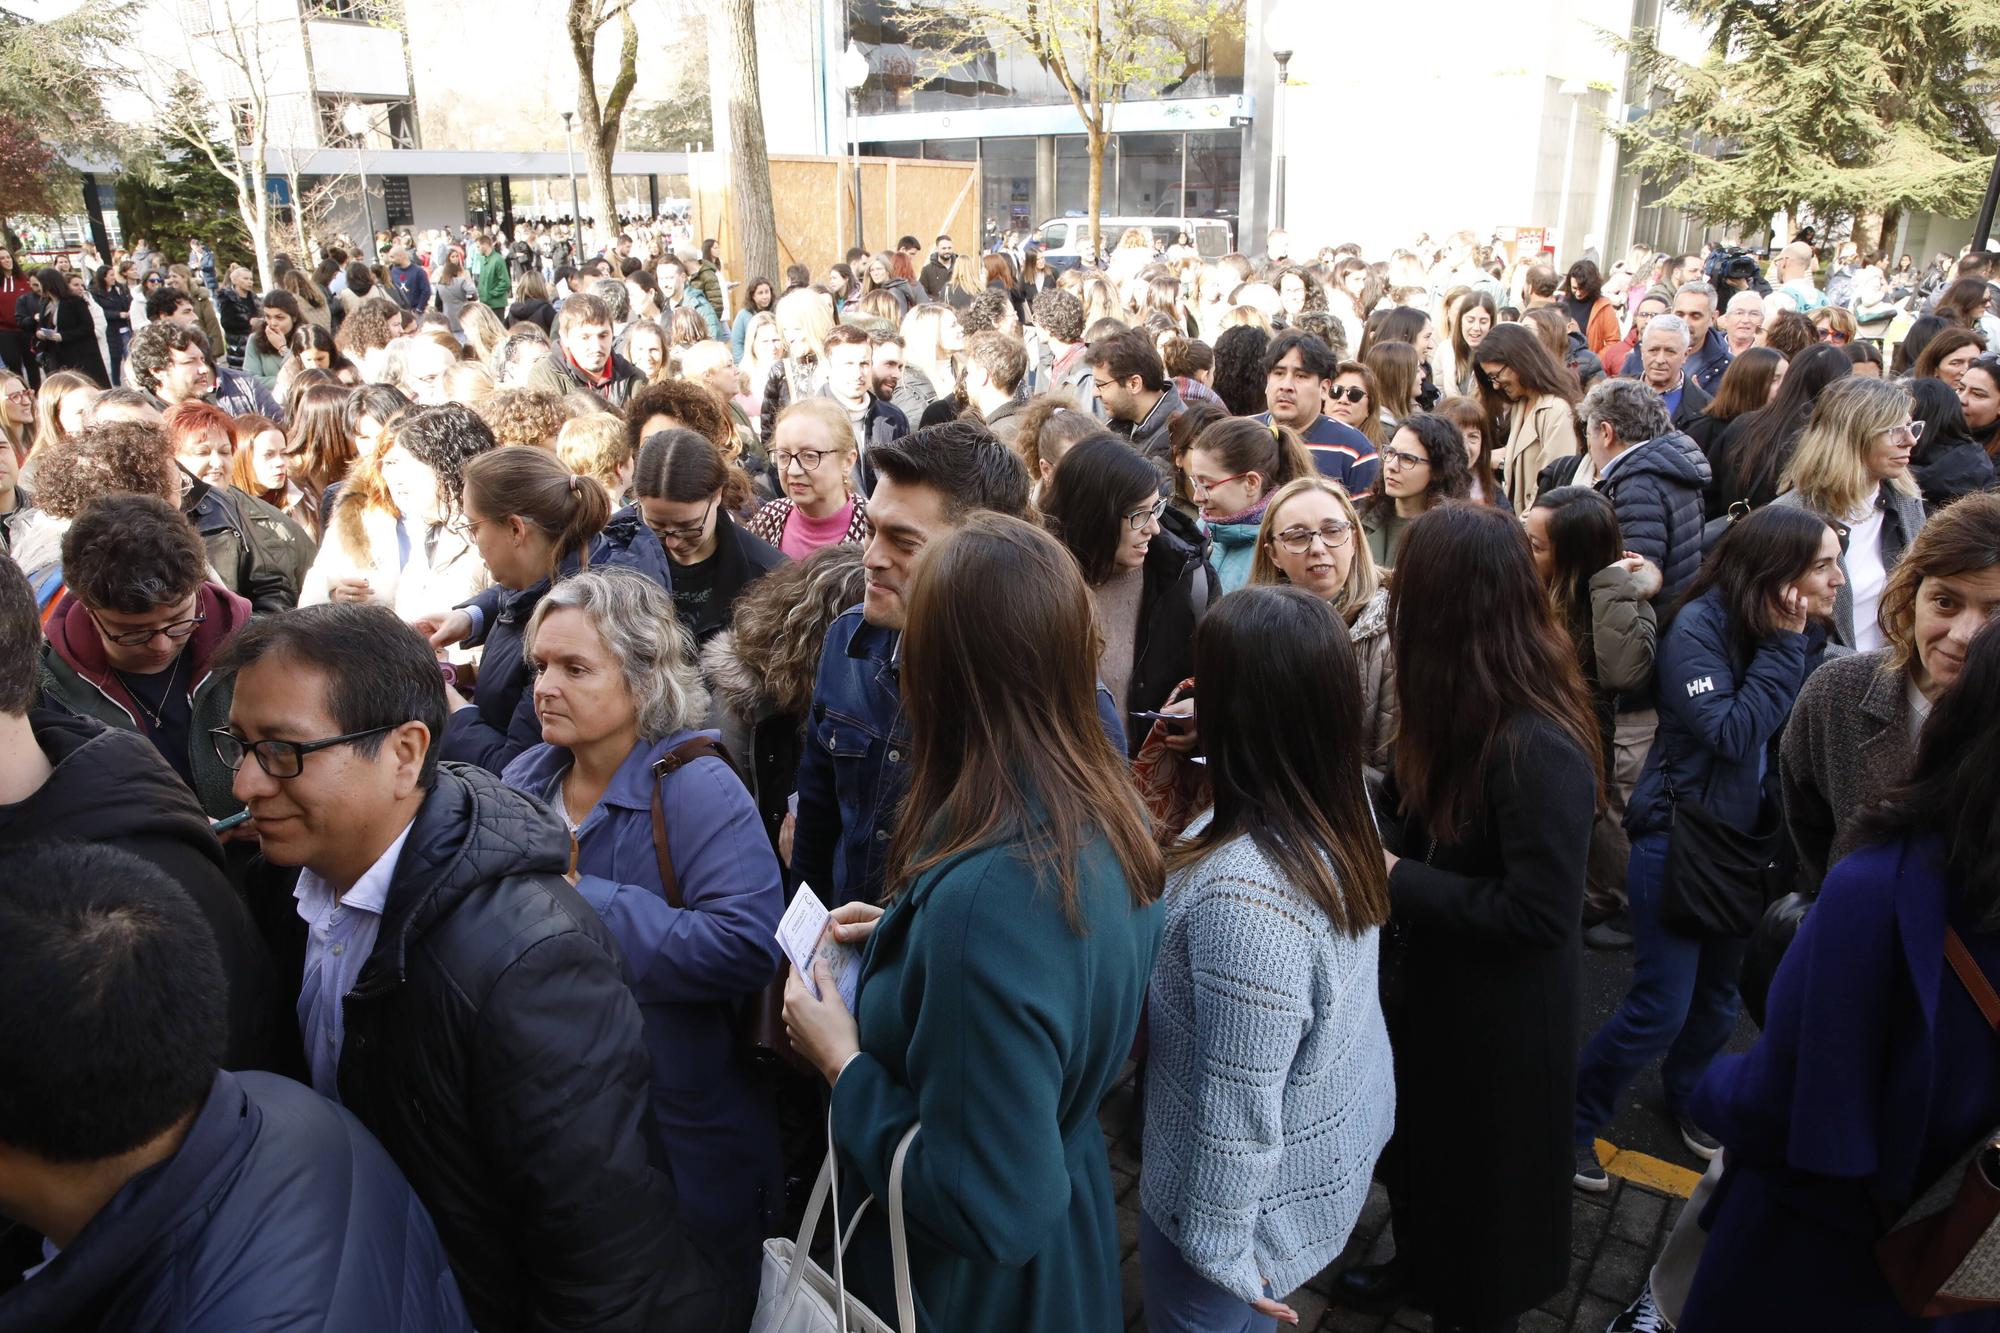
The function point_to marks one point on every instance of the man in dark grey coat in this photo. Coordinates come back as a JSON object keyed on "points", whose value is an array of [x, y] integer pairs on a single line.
{"points": [[1652, 474]]}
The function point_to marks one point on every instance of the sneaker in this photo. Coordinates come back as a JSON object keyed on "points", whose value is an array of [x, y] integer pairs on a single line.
{"points": [[1641, 1316], [1589, 1171], [1700, 1143], [1607, 936]]}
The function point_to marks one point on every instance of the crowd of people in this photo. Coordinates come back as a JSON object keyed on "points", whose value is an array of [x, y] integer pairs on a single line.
{"points": [[424, 690]]}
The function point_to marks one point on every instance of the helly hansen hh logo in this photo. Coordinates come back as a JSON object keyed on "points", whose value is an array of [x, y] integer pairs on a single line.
{"points": [[1703, 686]]}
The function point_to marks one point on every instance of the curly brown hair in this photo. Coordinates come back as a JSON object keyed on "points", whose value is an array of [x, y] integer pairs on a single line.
{"points": [[523, 416], [695, 406], [781, 622], [115, 458]]}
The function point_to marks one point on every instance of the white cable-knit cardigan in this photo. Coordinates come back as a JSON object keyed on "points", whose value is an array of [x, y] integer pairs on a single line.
{"points": [[1269, 1088]]}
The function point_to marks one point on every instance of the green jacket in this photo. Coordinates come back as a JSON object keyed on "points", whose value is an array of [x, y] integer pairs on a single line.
{"points": [[988, 1020], [261, 362], [495, 284]]}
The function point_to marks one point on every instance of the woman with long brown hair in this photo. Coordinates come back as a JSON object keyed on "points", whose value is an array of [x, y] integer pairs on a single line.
{"points": [[1531, 392], [1750, 383], [1004, 982], [321, 449], [1269, 1088], [1494, 778]]}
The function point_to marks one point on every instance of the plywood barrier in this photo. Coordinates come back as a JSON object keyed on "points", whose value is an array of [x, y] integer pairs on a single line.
{"points": [[813, 203]]}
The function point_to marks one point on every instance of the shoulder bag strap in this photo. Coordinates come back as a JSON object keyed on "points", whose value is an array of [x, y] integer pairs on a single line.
{"points": [[700, 747], [899, 1241], [1972, 978]]}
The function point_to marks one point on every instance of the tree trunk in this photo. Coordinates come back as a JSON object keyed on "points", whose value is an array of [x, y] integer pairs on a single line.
{"points": [[1892, 220], [1095, 137], [732, 44], [600, 122]]}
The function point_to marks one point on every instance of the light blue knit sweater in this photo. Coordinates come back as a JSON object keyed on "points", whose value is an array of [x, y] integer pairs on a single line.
{"points": [[1269, 1087]]}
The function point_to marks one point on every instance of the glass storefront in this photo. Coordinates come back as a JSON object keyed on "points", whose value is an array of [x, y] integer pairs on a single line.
{"points": [[1196, 174], [926, 56]]}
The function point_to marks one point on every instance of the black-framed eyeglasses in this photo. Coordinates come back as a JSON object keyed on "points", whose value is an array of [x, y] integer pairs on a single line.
{"points": [[805, 458], [1402, 459], [687, 532], [1334, 533], [1139, 518], [139, 638], [281, 759]]}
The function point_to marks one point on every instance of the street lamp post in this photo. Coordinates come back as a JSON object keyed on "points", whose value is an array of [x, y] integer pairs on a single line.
{"points": [[355, 121], [1280, 128], [854, 73], [575, 206]]}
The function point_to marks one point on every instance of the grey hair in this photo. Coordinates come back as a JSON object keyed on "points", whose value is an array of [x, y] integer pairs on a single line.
{"points": [[1671, 324], [617, 299], [1744, 297], [636, 620], [1634, 412], [1699, 288]]}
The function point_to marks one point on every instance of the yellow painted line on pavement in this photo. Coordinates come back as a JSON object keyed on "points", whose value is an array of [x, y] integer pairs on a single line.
{"points": [[1651, 1172]]}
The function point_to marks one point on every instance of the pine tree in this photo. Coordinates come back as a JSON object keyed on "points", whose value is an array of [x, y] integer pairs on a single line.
{"points": [[1844, 107]]}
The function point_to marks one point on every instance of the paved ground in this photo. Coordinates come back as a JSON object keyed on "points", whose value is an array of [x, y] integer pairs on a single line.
{"points": [[1613, 1242]]}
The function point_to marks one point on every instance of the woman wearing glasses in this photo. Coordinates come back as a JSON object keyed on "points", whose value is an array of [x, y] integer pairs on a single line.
{"points": [[1232, 469], [1424, 465], [812, 452], [131, 641], [1308, 540], [1143, 564], [534, 523], [1852, 469], [686, 493]]}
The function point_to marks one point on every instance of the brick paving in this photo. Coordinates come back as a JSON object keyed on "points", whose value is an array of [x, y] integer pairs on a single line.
{"points": [[1613, 1242]]}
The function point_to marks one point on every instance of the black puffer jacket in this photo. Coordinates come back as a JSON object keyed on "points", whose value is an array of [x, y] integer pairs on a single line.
{"points": [[1948, 467], [493, 1048], [1656, 487], [110, 788], [1180, 585]]}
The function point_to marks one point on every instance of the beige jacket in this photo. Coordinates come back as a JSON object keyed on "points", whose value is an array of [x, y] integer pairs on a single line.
{"points": [[1542, 431], [430, 580]]}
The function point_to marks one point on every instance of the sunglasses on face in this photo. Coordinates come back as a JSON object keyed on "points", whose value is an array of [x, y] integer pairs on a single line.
{"points": [[1351, 393]]}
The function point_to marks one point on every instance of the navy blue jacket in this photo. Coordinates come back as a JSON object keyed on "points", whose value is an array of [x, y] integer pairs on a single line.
{"points": [[501, 722], [690, 968], [278, 1211], [854, 767], [1719, 712], [1705, 364], [1339, 451], [1656, 487]]}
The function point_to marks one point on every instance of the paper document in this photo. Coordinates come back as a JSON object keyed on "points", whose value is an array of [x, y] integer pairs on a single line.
{"points": [[802, 935]]}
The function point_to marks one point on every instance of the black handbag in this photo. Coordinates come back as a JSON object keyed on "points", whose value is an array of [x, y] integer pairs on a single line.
{"points": [[1776, 930], [1716, 873]]}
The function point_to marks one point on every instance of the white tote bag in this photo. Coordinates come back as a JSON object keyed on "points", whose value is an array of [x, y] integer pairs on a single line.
{"points": [[795, 1295]]}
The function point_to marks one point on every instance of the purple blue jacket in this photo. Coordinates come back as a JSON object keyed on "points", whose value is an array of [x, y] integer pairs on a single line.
{"points": [[690, 969], [1874, 1074]]}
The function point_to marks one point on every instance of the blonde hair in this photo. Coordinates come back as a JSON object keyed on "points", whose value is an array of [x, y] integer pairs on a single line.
{"points": [[595, 446], [1363, 578], [16, 437], [923, 346], [483, 331], [806, 311], [968, 275], [466, 382], [829, 414], [48, 403], [1243, 315], [1829, 468]]}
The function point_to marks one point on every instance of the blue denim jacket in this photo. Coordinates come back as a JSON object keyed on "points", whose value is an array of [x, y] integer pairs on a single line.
{"points": [[854, 766]]}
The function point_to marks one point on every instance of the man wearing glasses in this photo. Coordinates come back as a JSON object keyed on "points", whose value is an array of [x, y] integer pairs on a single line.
{"points": [[133, 644], [1136, 398], [454, 992]]}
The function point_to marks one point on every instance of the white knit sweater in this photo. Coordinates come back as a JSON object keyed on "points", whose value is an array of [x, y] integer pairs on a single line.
{"points": [[1269, 1089]]}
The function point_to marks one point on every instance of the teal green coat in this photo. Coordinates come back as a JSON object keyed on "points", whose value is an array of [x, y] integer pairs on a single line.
{"points": [[985, 1017]]}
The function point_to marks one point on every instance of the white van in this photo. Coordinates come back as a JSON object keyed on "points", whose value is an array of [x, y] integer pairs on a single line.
{"points": [[1065, 240]]}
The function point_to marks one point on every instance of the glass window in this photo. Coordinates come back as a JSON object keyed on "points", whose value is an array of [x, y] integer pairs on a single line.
{"points": [[1007, 175], [951, 150], [1149, 177], [1214, 176], [1073, 175], [1055, 235], [909, 148]]}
